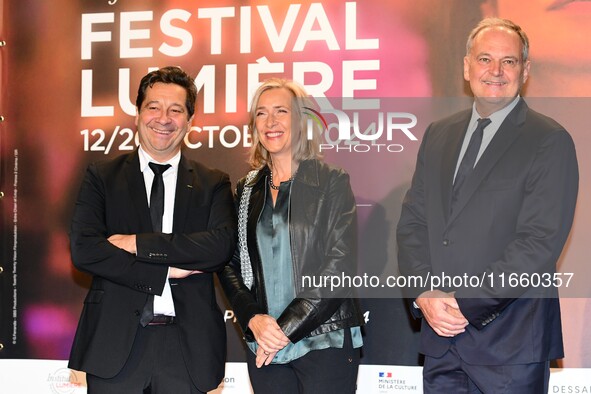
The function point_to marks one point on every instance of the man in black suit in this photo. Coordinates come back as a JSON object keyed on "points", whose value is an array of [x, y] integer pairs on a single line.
{"points": [[150, 319], [502, 208]]}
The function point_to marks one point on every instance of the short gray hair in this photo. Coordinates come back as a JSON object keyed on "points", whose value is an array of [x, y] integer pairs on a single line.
{"points": [[499, 22]]}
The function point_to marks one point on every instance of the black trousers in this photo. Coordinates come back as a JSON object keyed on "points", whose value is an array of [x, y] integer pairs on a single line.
{"points": [[320, 371], [155, 366], [450, 374]]}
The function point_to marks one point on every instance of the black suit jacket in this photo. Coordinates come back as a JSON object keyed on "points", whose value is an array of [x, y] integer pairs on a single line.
{"points": [[112, 200], [513, 217]]}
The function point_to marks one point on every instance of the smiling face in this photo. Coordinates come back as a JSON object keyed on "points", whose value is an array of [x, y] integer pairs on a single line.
{"points": [[163, 120], [273, 121], [495, 69]]}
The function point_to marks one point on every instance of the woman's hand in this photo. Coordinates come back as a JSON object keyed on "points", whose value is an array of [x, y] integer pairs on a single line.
{"points": [[268, 334], [263, 357]]}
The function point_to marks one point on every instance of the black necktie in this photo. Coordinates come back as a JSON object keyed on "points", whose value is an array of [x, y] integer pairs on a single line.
{"points": [[157, 196], [156, 213], [469, 159]]}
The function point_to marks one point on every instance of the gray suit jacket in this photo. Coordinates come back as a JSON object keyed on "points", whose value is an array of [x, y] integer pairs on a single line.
{"points": [[513, 217]]}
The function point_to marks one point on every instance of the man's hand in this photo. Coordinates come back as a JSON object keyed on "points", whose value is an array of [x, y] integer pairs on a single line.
{"points": [[179, 273], [442, 312], [125, 242], [268, 334]]}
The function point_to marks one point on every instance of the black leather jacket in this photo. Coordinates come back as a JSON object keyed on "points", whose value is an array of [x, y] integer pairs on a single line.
{"points": [[323, 238]]}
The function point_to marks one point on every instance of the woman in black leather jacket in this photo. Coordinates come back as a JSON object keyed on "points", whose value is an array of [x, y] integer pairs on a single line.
{"points": [[297, 224]]}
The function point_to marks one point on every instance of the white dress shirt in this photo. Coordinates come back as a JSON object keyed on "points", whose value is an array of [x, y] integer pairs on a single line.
{"points": [[163, 304]]}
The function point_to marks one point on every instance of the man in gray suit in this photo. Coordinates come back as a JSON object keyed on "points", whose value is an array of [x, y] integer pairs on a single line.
{"points": [[493, 195]]}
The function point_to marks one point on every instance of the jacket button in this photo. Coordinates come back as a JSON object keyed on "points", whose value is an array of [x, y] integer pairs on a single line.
{"points": [[445, 242]]}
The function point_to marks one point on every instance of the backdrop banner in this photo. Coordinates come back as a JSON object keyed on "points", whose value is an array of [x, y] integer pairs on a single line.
{"points": [[380, 73]]}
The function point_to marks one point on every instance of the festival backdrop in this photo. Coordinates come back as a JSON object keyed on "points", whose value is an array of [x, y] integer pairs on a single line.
{"points": [[69, 76]]}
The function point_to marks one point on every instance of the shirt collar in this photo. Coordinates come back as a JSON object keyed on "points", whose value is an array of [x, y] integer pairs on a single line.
{"points": [[496, 117], [145, 158]]}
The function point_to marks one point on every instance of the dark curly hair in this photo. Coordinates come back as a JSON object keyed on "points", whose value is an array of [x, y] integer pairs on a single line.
{"points": [[170, 74]]}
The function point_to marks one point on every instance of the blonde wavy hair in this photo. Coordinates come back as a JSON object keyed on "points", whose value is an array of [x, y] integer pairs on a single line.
{"points": [[304, 147]]}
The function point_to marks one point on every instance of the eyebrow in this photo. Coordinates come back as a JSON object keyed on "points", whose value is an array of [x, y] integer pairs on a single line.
{"points": [[504, 57], [273, 107], [158, 102]]}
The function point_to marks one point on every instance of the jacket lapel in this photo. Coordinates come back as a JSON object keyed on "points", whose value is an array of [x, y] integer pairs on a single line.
{"points": [[308, 173], [186, 184], [508, 132], [451, 152]]}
